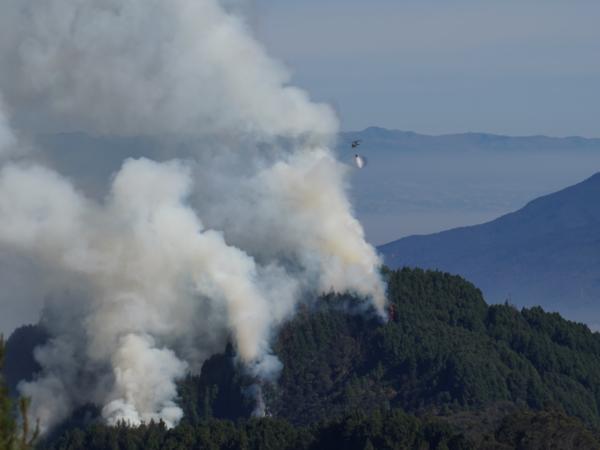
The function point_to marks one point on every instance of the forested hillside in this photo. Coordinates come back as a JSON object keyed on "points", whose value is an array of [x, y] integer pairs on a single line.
{"points": [[447, 371], [444, 350]]}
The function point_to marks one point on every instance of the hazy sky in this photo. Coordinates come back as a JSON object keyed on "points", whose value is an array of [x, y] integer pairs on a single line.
{"points": [[503, 66]]}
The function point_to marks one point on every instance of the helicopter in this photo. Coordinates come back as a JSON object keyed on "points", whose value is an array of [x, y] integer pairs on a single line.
{"points": [[359, 160]]}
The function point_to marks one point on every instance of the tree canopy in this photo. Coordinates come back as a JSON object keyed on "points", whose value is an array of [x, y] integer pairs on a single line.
{"points": [[446, 371]]}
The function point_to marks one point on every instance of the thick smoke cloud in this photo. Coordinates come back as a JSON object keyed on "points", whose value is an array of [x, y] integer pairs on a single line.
{"points": [[148, 66], [7, 138], [180, 255]]}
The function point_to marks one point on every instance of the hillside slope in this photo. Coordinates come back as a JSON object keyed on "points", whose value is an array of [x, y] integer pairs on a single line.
{"points": [[447, 368], [547, 253]]}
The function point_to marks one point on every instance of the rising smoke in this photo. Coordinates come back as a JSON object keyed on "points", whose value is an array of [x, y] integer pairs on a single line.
{"points": [[180, 255]]}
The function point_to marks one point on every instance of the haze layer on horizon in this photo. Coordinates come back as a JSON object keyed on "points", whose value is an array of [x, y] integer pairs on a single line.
{"points": [[403, 194]]}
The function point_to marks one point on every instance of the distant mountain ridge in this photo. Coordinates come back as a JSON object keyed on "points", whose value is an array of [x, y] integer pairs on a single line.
{"points": [[386, 139], [546, 253]]}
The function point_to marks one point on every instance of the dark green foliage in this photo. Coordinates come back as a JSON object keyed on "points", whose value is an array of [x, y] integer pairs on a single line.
{"points": [[218, 392], [545, 431], [384, 430], [387, 430], [327, 369], [447, 372], [445, 351]]}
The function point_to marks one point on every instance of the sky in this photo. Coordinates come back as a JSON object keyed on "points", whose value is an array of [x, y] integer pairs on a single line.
{"points": [[499, 66]]}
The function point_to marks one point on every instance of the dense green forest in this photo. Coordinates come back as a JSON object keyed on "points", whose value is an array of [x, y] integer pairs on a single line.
{"points": [[446, 372], [391, 429], [444, 351]]}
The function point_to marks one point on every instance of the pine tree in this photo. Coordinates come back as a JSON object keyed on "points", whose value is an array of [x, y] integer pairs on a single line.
{"points": [[7, 422], [12, 438]]}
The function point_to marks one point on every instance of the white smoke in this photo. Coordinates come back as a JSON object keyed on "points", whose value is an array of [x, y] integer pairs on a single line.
{"points": [[144, 383], [260, 407], [180, 255], [148, 66], [8, 141]]}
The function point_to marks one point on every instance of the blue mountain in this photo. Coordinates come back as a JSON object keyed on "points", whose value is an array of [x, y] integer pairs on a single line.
{"points": [[398, 140], [546, 253]]}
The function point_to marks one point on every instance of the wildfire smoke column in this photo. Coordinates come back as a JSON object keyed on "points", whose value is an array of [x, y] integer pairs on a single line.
{"points": [[180, 255]]}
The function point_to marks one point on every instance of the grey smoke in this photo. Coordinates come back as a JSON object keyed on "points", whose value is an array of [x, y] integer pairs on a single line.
{"points": [[260, 407], [179, 255]]}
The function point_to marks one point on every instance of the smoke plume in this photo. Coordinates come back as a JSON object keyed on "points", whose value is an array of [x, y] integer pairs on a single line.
{"points": [[179, 255]]}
